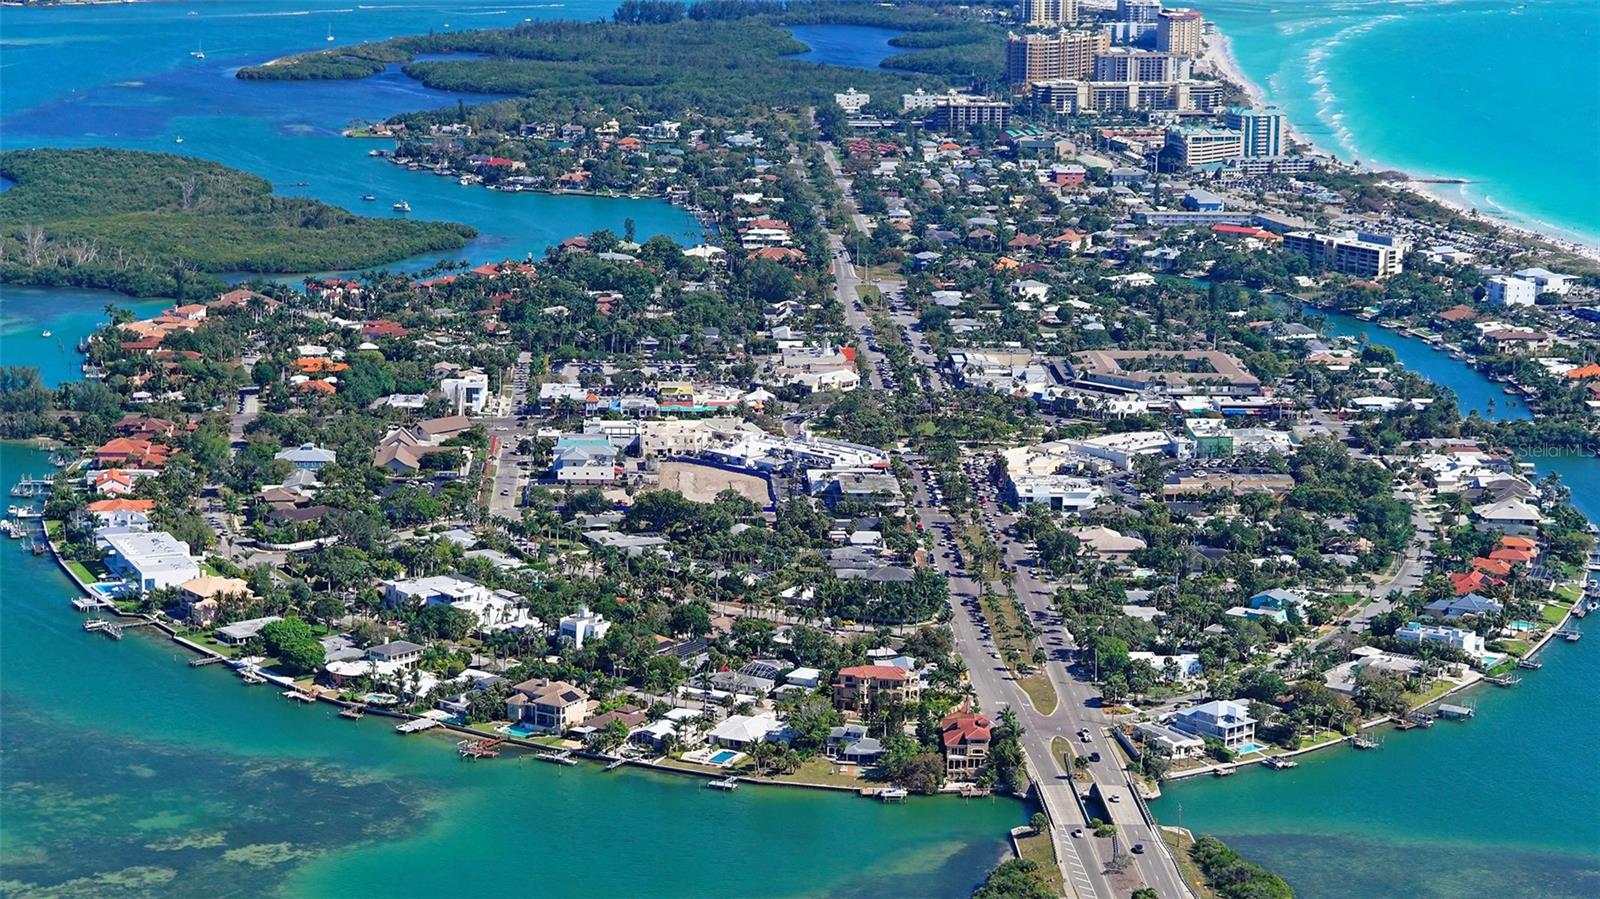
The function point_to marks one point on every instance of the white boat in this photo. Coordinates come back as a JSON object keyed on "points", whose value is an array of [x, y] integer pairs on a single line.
{"points": [[46, 334], [199, 52], [330, 32], [178, 140], [402, 206], [25, 512], [369, 198]]}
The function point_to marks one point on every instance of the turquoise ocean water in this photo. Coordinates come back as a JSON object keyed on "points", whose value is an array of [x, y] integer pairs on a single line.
{"points": [[1502, 92]]}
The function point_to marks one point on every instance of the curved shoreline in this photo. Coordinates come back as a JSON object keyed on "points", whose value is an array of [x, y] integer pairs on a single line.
{"points": [[1218, 53]]}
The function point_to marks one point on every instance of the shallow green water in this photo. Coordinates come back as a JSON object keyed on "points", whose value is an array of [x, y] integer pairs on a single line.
{"points": [[122, 762], [1507, 805]]}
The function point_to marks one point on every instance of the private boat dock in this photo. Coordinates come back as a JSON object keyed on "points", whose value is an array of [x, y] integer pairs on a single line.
{"points": [[1457, 712], [1365, 743], [416, 725], [206, 660], [31, 486], [1279, 764], [480, 749], [353, 712], [563, 757], [729, 783], [1530, 664], [298, 696], [102, 626], [1571, 634], [1504, 680]]}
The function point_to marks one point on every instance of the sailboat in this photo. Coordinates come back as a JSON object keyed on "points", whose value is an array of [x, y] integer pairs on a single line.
{"points": [[200, 50], [369, 196], [330, 32], [402, 206]]}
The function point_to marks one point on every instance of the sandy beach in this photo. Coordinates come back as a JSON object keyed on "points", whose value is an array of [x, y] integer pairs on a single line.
{"points": [[1219, 57]]}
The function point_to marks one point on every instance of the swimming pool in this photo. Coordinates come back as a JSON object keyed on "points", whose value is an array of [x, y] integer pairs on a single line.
{"points": [[1248, 748], [723, 757], [520, 729]]}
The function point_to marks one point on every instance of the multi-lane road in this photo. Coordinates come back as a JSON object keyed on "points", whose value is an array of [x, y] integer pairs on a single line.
{"points": [[1086, 862]]}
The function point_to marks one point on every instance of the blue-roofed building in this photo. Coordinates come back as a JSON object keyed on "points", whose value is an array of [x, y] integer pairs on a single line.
{"points": [[584, 459], [1471, 604]]}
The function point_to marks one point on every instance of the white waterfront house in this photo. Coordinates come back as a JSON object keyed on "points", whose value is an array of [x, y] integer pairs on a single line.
{"points": [[149, 560]]}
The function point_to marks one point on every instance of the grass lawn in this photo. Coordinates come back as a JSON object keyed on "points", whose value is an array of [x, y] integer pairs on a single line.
{"points": [[823, 770], [1569, 592], [1179, 843], [1438, 689], [1553, 613], [1038, 848], [1040, 691], [869, 295], [1319, 738], [52, 527], [1518, 648]]}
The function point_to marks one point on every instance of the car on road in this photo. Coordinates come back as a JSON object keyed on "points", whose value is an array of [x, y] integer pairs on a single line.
{"points": [[1095, 757], [1077, 833], [1114, 798], [1138, 849]]}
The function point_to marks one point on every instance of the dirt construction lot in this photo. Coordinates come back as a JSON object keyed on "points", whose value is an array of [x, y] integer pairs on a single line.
{"points": [[702, 483]]}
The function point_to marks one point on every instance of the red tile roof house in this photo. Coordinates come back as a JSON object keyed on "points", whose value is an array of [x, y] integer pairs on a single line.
{"points": [[966, 745], [858, 686], [121, 451], [381, 328]]}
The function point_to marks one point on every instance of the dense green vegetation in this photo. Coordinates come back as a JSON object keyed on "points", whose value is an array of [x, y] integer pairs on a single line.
{"points": [[1232, 877], [153, 224], [667, 58]]}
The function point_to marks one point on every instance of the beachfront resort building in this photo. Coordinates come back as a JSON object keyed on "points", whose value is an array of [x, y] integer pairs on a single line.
{"points": [[1260, 129], [1226, 720], [1044, 13], [1180, 31], [1042, 56]]}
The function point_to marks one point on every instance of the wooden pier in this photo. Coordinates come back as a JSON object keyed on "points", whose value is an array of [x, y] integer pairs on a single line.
{"points": [[1530, 664], [353, 712], [1365, 743], [614, 764], [1571, 634], [298, 696], [205, 660], [558, 758], [729, 783], [1456, 712], [1504, 680]]}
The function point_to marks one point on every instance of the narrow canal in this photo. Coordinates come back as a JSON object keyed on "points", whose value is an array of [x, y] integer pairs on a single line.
{"points": [[1501, 806]]}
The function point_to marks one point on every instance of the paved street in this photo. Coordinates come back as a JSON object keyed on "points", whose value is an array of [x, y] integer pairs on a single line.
{"points": [[1083, 859]]}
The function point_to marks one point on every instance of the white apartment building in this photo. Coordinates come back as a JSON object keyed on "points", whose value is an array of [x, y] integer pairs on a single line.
{"points": [[1507, 290]]}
